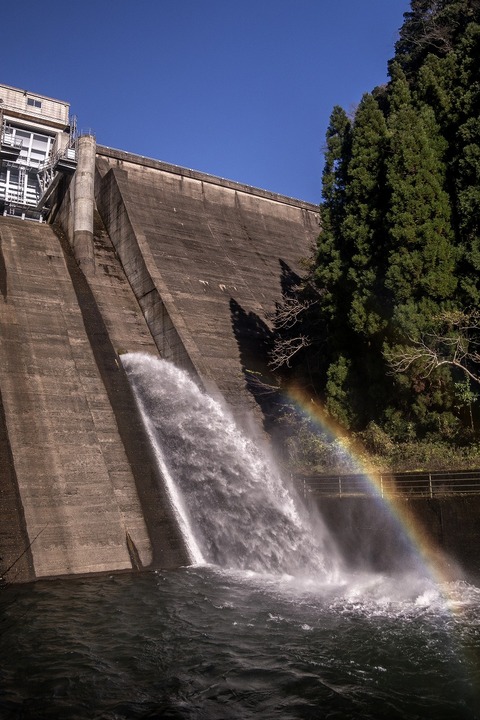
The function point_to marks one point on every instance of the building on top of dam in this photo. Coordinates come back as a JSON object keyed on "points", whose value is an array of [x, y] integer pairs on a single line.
{"points": [[36, 146]]}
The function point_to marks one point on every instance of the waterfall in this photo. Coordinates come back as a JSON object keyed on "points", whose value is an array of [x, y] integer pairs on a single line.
{"points": [[233, 506]]}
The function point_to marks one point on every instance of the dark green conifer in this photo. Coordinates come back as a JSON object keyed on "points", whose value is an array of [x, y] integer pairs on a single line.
{"points": [[465, 165], [399, 250], [329, 257], [421, 259], [420, 276], [363, 229]]}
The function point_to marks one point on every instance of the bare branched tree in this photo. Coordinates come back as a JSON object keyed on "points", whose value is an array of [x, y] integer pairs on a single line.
{"points": [[455, 343], [434, 36], [284, 350], [428, 30], [288, 313], [286, 316]]}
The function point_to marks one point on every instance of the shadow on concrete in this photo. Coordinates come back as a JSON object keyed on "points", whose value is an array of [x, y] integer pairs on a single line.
{"points": [[3, 273], [255, 342], [290, 281], [16, 561]]}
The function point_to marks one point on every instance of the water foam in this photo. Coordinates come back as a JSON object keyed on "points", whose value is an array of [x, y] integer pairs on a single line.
{"points": [[234, 508]]}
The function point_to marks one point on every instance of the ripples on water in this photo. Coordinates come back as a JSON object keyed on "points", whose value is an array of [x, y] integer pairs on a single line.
{"points": [[200, 643], [204, 644]]}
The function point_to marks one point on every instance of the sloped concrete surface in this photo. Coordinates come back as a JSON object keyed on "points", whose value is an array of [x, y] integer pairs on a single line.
{"points": [[207, 259], [185, 266], [75, 490]]}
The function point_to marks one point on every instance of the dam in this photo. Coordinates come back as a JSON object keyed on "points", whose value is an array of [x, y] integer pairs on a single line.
{"points": [[102, 253], [105, 254]]}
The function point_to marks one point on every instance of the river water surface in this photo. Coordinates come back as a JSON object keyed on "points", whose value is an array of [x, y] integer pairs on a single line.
{"points": [[267, 621], [203, 643]]}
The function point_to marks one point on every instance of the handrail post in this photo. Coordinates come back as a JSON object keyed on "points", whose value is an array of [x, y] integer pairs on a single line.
{"points": [[430, 484], [381, 485], [340, 486]]}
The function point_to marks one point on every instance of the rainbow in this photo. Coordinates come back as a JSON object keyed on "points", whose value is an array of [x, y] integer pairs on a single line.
{"points": [[437, 565]]}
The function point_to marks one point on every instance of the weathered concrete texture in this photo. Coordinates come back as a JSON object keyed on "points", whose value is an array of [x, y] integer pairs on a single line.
{"points": [[113, 321], [83, 206], [75, 483], [15, 555], [207, 259]]}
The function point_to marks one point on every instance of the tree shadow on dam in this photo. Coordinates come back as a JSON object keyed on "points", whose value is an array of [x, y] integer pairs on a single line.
{"points": [[255, 340], [290, 281]]}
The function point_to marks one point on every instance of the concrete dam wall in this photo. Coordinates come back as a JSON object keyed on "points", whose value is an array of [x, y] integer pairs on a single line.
{"points": [[207, 260], [142, 256], [166, 261]]}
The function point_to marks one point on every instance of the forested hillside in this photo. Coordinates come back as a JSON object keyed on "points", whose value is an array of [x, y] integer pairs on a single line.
{"points": [[384, 331]]}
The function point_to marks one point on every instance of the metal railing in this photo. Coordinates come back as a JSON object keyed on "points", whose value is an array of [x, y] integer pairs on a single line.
{"points": [[10, 140], [408, 484], [66, 153]]}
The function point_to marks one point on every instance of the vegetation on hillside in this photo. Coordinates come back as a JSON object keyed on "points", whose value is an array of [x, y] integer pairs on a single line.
{"points": [[384, 330]]}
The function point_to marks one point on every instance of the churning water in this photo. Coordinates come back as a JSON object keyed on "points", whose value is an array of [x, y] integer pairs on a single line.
{"points": [[204, 644], [265, 623], [236, 510]]}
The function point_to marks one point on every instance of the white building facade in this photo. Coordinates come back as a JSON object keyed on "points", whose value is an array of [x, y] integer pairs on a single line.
{"points": [[36, 145]]}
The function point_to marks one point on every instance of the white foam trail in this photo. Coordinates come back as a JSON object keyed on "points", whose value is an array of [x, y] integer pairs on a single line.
{"points": [[234, 508], [176, 501]]}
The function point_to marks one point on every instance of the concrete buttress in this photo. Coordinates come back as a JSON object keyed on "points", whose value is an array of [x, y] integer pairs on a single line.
{"points": [[83, 205]]}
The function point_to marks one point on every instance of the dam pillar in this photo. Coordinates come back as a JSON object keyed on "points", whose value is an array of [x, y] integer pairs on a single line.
{"points": [[83, 204]]}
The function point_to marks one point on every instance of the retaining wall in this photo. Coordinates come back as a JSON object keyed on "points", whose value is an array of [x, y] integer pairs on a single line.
{"points": [[363, 530]]}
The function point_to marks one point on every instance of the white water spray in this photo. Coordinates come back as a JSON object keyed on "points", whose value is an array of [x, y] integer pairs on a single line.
{"points": [[232, 505]]}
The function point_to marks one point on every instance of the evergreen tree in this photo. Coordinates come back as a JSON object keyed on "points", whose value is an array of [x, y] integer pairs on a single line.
{"points": [[331, 264], [329, 258], [364, 224], [421, 260], [357, 359], [420, 276], [399, 251], [466, 163], [307, 323]]}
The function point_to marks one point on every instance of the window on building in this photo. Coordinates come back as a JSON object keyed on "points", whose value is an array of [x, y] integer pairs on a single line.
{"points": [[34, 103]]}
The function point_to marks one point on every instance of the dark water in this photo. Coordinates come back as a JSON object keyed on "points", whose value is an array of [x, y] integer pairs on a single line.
{"points": [[204, 643], [201, 643]]}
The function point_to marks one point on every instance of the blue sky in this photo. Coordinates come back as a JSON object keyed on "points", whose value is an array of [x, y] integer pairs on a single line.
{"points": [[237, 88]]}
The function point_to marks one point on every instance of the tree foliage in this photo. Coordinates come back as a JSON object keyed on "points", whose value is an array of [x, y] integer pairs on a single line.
{"points": [[330, 257], [399, 251]]}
